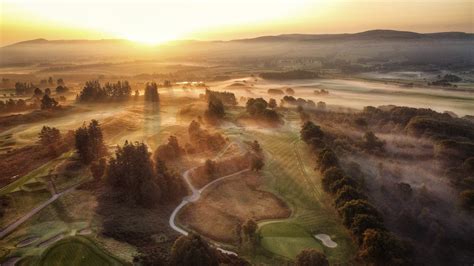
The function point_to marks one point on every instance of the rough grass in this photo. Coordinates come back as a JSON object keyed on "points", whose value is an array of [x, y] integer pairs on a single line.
{"points": [[76, 251], [20, 202], [36, 173], [227, 205]]}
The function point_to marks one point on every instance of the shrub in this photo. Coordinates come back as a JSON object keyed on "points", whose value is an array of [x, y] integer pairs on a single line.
{"points": [[192, 250], [311, 257]]}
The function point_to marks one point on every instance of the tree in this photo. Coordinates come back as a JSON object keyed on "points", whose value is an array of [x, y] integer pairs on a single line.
{"points": [[171, 184], [50, 81], [371, 142], [256, 106], [215, 108], [382, 248], [60, 82], [347, 193], [38, 92], [249, 229], [467, 199], [311, 257], [321, 106], [256, 163], [47, 91], [327, 159], [49, 136], [137, 95], [192, 250], [363, 222], [151, 92], [355, 207], [131, 175], [98, 168], [89, 142], [310, 131], [331, 176], [272, 103], [48, 102], [169, 151], [256, 147], [61, 89], [342, 182]]}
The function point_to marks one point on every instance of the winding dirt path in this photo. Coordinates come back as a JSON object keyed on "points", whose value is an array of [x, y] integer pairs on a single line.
{"points": [[196, 195]]}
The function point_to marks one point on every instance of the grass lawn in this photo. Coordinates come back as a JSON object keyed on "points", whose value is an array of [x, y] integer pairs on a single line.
{"points": [[76, 251], [287, 239]]}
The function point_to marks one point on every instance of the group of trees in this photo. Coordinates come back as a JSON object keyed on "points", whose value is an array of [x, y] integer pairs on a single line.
{"points": [[51, 138], [151, 92], [62, 89], [138, 180], [300, 102], [93, 91], [170, 150], [372, 143], [453, 138], [376, 244], [27, 88], [257, 156], [11, 105], [225, 97], [258, 109], [24, 88], [48, 102], [215, 109], [203, 140], [90, 142]]}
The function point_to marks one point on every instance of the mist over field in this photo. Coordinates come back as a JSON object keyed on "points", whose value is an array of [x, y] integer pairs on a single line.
{"points": [[293, 149]]}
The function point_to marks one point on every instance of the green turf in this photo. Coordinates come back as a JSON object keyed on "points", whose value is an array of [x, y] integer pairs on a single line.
{"points": [[287, 239], [76, 251]]}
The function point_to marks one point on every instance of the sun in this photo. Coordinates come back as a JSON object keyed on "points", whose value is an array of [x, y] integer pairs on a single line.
{"points": [[147, 40]]}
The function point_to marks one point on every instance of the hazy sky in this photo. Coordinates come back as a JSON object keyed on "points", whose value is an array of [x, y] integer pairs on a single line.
{"points": [[154, 21]]}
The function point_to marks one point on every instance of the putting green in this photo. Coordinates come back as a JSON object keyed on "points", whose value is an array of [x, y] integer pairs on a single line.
{"points": [[286, 239], [76, 251]]}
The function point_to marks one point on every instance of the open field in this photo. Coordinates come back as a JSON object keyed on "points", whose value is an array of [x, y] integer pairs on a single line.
{"points": [[230, 203]]}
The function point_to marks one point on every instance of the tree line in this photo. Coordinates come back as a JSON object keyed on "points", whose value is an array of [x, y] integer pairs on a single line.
{"points": [[376, 244]]}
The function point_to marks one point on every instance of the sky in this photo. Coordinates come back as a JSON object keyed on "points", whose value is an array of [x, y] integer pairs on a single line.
{"points": [[156, 21]]}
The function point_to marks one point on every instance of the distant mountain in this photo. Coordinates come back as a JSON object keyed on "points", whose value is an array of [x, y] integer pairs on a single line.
{"points": [[382, 45], [366, 35], [68, 42]]}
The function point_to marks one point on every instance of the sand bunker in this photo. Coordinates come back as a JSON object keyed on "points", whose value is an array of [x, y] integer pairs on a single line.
{"points": [[327, 241]]}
